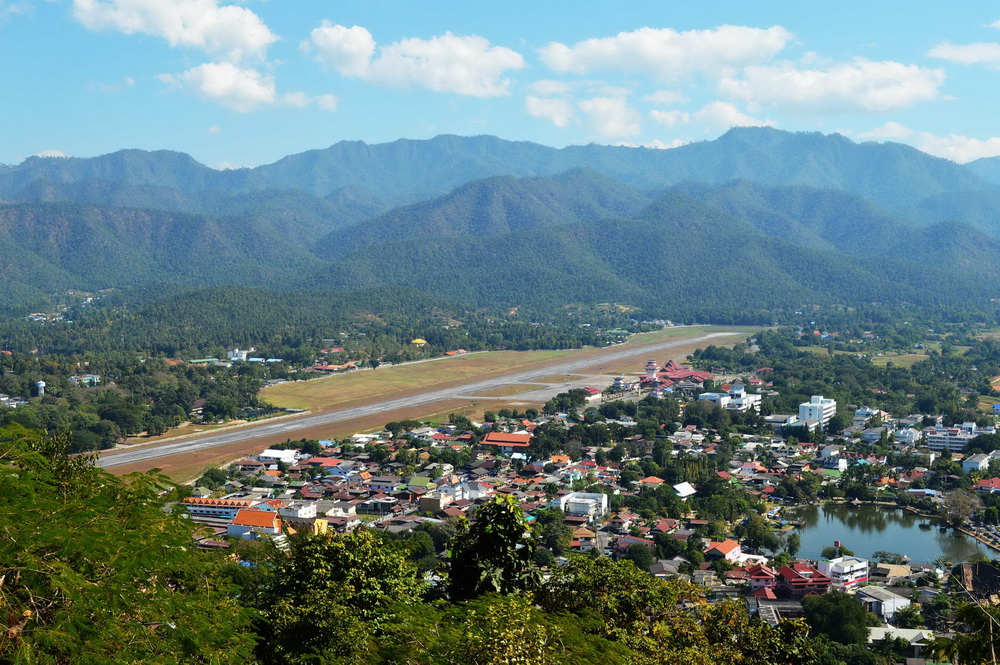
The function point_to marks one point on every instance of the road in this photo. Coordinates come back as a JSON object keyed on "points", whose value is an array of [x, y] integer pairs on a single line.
{"points": [[292, 425]]}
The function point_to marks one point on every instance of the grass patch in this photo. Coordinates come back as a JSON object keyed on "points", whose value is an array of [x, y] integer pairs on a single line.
{"points": [[506, 391], [322, 394], [899, 360]]}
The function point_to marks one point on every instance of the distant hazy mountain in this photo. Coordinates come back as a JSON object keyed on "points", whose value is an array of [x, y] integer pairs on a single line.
{"points": [[495, 206], [756, 220], [987, 168], [892, 175]]}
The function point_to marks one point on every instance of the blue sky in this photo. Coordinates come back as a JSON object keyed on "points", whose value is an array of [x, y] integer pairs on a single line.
{"points": [[245, 83]]}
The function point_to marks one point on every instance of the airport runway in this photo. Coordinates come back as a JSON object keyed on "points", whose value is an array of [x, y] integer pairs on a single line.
{"points": [[290, 426]]}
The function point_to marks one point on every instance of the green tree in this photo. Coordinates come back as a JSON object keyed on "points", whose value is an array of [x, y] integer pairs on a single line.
{"points": [[494, 554], [839, 616], [640, 555], [792, 543], [980, 644], [94, 571], [329, 595]]}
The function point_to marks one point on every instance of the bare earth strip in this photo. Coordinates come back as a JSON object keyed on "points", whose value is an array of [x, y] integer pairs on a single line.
{"points": [[413, 396]]}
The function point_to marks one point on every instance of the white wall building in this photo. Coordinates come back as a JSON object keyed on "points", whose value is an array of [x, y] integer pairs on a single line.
{"points": [[818, 408], [737, 399], [240, 355], [582, 504], [953, 439], [882, 602], [846, 572], [272, 456]]}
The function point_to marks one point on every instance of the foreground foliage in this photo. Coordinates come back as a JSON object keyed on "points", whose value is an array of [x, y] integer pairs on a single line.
{"points": [[93, 570]]}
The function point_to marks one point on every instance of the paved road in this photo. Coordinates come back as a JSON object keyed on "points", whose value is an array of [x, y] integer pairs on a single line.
{"points": [[292, 425]]}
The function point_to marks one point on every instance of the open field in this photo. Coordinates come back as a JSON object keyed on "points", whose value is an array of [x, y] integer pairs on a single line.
{"points": [[899, 360], [318, 395], [325, 393], [507, 391], [558, 378], [345, 407]]}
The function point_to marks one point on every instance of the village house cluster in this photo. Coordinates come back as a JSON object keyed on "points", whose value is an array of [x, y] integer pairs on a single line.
{"points": [[345, 485]]}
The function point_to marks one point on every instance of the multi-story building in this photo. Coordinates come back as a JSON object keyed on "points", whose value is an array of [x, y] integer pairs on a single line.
{"points": [[847, 572], [818, 408], [953, 439], [208, 507], [799, 580], [582, 504]]}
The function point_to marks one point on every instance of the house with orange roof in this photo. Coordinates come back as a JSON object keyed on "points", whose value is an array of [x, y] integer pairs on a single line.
{"points": [[651, 481], [251, 524], [728, 549], [508, 442]]}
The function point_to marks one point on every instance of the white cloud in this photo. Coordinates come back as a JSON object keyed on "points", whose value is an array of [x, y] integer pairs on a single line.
{"points": [[298, 100], [222, 31], [958, 148], [327, 102], [862, 85], [558, 111], [890, 130], [549, 87], [968, 54], [666, 97], [611, 117], [51, 153], [111, 88], [235, 88], [655, 144], [667, 55], [347, 50], [445, 63], [670, 118], [723, 115], [214, 129]]}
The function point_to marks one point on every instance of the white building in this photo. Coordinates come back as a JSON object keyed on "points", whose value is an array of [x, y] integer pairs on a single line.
{"points": [[953, 439], [240, 355], [818, 408], [582, 504], [846, 572], [882, 602], [298, 510], [272, 456], [737, 399]]}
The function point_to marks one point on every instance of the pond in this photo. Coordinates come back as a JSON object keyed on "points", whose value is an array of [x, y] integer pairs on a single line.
{"points": [[867, 529]]}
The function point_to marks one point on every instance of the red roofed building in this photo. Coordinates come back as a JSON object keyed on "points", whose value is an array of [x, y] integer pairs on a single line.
{"points": [[675, 372], [762, 577], [208, 507], [799, 580], [508, 442], [251, 524], [990, 485]]}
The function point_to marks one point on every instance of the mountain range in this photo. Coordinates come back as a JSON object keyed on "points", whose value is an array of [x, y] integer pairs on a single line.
{"points": [[759, 219]]}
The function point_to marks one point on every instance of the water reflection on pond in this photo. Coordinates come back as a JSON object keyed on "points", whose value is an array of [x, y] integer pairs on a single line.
{"points": [[866, 529]]}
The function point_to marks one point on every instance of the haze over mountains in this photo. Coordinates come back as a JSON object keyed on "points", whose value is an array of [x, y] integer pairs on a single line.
{"points": [[758, 219]]}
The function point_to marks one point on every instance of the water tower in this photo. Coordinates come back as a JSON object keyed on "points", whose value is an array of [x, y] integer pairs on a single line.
{"points": [[40, 388]]}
